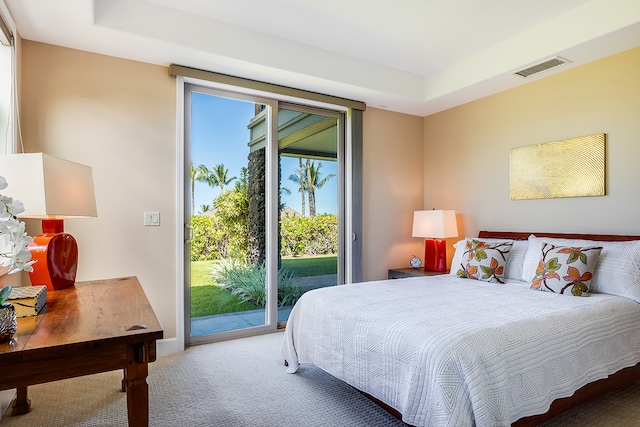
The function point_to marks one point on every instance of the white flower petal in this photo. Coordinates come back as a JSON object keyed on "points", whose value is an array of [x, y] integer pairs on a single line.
{"points": [[14, 252], [16, 207]]}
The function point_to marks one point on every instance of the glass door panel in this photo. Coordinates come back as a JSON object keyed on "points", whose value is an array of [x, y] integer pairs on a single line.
{"points": [[227, 289], [310, 178]]}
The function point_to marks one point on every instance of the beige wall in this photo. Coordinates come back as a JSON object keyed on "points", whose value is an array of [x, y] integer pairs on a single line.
{"points": [[467, 150], [393, 186], [118, 117]]}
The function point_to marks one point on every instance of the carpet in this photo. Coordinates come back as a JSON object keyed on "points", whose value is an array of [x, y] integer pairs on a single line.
{"points": [[243, 383]]}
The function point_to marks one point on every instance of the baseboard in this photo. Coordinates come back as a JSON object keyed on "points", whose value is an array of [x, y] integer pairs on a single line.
{"points": [[170, 346], [6, 396]]}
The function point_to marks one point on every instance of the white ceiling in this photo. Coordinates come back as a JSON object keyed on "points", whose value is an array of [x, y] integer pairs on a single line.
{"points": [[411, 56]]}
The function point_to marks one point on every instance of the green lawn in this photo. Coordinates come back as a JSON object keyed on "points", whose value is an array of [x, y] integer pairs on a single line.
{"points": [[208, 299], [311, 266]]}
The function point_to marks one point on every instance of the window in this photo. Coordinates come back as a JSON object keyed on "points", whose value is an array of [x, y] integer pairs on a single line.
{"points": [[7, 88]]}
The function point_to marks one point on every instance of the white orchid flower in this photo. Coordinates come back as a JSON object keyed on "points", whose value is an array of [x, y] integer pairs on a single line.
{"points": [[16, 207], [14, 241]]}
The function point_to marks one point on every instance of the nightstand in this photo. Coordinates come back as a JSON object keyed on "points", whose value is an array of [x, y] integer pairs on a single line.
{"points": [[401, 273]]}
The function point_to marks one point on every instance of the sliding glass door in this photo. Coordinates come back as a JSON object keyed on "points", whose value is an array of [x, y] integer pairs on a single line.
{"points": [[265, 207], [310, 157], [227, 280]]}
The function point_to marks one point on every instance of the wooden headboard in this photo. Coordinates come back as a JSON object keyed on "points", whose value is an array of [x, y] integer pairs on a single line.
{"points": [[522, 235]]}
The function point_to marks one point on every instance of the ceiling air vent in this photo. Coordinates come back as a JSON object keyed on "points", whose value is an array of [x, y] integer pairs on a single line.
{"points": [[543, 66]]}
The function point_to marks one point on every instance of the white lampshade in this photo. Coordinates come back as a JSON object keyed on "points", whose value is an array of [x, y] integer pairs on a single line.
{"points": [[438, 224], [49, 187]]}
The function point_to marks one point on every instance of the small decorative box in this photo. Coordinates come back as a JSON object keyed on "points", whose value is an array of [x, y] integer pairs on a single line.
{"points": [[28, 300]]}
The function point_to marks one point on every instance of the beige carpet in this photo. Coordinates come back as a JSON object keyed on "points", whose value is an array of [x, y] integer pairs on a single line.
{"points": [[243, 383]]}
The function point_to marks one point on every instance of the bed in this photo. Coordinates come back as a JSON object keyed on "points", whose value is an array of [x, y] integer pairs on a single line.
{"points": [[451, 351]]}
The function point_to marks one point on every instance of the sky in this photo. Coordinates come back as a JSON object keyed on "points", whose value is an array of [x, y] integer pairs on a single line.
{"points": [[219, 134]]}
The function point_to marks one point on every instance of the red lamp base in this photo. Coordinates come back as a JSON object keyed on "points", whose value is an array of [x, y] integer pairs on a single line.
{"points": [[56, 256], [435, 255]]}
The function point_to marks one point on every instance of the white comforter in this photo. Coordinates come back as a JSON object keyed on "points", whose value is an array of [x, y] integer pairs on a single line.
{"points": [[456, 352]]}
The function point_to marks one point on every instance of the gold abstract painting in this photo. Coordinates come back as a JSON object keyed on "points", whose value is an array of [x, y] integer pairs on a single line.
{"points": [[567, 168]]}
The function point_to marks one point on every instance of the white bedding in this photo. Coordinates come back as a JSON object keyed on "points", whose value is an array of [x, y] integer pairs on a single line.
{"points": [[445, 351]]}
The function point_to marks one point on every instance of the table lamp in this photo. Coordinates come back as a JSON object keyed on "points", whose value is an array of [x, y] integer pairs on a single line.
{"points": [[51, 189], [435, 226]]}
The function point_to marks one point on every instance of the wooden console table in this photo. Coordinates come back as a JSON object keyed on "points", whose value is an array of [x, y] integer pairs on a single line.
{"points": [[92, 327]]}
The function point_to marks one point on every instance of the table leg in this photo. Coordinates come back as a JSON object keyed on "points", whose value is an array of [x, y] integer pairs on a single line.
{"points": [[22, 404], [135, 383]]}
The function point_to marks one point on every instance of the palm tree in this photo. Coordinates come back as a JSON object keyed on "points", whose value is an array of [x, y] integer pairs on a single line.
{"points": [[219, 177], [282, 191], [205, 208], [199, 173], [313, 182], [243, 181], [300, 177]]}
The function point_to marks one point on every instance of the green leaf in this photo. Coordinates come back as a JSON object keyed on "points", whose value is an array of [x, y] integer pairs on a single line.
{"points": [[583, 258], [461, 273], [480, 255], [552, 265], [573, 257], [578, 289], [487, 272]]}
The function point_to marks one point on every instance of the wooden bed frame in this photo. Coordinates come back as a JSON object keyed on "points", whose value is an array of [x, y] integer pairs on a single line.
{"points": [[588, 392], [592, 390], [524, 235]]}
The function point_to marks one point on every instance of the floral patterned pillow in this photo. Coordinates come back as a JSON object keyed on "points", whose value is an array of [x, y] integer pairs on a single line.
{"points": [[566, 270], [483, 260]]}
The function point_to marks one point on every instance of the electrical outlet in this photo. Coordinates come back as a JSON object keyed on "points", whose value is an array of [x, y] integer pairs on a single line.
{"points": [[152, 218]]}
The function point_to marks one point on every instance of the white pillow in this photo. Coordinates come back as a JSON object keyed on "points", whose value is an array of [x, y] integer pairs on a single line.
{"points": [[516, 259], [513, 269], [617, 271]]}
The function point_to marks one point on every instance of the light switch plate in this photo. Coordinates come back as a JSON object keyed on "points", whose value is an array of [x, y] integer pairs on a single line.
{"points": [[152, 218]]}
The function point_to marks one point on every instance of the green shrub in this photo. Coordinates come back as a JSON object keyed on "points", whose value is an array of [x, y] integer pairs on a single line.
{"points": [[248, 283], [232, 210], [209, 240], [303, 235], [225, 234]]}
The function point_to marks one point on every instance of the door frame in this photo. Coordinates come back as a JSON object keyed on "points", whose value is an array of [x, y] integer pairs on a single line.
{"points": [[270, 324], [351, 210]]}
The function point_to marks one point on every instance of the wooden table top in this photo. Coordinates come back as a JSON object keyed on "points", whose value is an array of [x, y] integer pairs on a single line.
{"points": [[92, 311]]}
